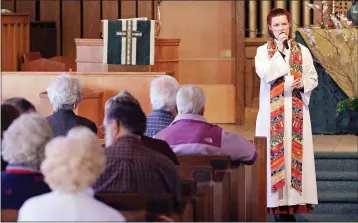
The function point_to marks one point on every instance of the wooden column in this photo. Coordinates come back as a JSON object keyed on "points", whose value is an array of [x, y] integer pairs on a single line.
{"points": [[280, 4], [295, 12], [307, 16], [252, 18], [240, 62], [264, 11], [15, 39]]}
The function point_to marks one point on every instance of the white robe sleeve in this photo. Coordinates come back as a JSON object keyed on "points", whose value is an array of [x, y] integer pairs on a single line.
{"points": [[270, 69], [310, 77]]}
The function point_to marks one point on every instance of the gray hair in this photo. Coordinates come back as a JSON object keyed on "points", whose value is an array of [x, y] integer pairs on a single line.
{"points": [[163, 92], [64, 92], [190, 100], [24, 141], [74, 162], [126, 110]]}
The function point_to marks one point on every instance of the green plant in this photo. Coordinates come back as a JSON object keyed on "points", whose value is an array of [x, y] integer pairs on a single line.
{"points": [[347, 104]]}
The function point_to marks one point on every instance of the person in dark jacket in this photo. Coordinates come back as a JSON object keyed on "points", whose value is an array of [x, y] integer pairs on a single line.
{"points": [[65, 93]]}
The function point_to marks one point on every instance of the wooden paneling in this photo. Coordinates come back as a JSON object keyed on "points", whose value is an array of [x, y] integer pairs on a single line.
{"points": [[68, 18], [240, 60], [26, 6], [128, 9], [15, 40], [220, 103], [109, 9], [251, 80], [7, 4], [50, 11], [249, 83], [91, 19], [206, 30], [207, 71], [29, 85], [145, 9], [71, 27]]}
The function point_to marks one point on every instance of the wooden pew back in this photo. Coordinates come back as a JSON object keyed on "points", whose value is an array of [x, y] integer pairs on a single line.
{"points": [[248, 201], [9, 215], [211, 192], [188, 207], [220, 165], [153, 205]]}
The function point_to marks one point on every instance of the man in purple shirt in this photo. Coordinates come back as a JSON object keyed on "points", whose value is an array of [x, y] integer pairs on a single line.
{"points": [[190, 133], [163, 92]]}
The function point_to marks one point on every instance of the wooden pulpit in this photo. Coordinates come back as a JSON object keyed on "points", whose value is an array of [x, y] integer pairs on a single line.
{"points": [[15, 39], [90, 107], [89, 58]]}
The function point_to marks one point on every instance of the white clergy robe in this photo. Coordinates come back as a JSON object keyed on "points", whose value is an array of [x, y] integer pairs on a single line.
{"points": [[269, 70]]}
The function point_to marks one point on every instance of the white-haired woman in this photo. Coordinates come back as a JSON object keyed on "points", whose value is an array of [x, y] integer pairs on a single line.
{"points": [[70, 168], [65, 93], [163, 91], [23, 148], [191, 133]]}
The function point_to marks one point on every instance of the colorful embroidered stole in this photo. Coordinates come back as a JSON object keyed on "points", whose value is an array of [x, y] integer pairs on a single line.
{"points": [[277, 119]]}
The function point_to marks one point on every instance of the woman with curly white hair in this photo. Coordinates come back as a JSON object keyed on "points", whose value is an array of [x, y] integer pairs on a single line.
{"points": [[72, 164], [163, 91], [23, 148], [65, 93]]}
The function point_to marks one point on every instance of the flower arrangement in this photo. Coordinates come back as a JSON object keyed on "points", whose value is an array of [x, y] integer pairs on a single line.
{"points": [[339, 54], [324, 18]]}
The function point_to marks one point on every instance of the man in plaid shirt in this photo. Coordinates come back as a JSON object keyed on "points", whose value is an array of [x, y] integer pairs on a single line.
{"points": [[163, 92], [130, 166]]}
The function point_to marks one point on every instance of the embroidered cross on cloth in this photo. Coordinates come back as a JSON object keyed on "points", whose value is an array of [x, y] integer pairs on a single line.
{"points": [[128, 41]]}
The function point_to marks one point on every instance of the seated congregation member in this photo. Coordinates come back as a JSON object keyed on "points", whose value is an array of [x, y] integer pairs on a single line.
{"points": [[21, 104], [190, 133], [157, 145], [160, 146], [23, 148], [163, 92], [130, 166], [65, 93], [71, 166], [8, 115]]}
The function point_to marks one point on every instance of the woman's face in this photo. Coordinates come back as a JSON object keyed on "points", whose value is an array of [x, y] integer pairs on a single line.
{"points": [[279, 24]]}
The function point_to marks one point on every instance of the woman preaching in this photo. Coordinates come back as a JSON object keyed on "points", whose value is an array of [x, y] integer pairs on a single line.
{"points": [[287, 77]]}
